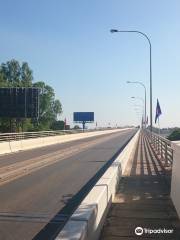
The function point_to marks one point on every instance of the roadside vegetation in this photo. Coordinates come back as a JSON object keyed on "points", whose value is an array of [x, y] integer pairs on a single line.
{"points": [[15, 74], [175, 135]]}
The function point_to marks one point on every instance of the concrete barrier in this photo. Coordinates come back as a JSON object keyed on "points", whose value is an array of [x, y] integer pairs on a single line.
{"points": [[14, 146], [87, 221], [175, 182], [5, 147], [176, 142]]}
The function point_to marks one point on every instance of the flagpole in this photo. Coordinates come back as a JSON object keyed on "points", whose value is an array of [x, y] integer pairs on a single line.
{"points": [[159, 126]]}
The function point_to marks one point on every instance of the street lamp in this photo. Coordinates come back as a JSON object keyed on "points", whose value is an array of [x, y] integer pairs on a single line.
{"points": [[150, 63], [139, 115], [142, 84], [144, 111], [139, 98]]}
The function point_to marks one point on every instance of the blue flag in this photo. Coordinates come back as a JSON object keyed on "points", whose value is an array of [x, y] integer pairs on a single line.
{"points": [[158, 111]]}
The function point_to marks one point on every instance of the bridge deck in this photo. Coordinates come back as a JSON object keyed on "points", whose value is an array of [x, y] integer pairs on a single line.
{"points": [[143, 199]]}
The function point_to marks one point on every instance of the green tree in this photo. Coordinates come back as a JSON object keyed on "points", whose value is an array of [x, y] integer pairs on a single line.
{"points": [[14, 74], [49, 106], [57, 108], [26, 75], [3, 82], [175, 135]]}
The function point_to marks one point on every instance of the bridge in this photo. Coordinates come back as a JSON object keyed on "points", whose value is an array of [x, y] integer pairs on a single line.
{"points": [[108, 184]]}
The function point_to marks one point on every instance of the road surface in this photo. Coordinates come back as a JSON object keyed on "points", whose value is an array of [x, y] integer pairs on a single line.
{"points": [[36, 184]]}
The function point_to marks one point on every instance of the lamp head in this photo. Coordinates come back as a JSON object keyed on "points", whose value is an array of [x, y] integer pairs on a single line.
{"points": [[113, 30]]}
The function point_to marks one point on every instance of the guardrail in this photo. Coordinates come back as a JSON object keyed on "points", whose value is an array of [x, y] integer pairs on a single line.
{"points": [[6, 137], [162, 147]]}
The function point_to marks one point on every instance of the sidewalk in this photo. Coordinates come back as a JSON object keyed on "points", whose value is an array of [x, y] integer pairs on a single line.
{"points": [[143, 200]]}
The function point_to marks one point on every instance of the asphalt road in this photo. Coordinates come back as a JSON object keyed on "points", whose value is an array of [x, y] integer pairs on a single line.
{"points": [[31, 198]]}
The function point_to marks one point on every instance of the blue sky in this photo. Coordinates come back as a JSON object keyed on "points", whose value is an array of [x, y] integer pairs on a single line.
{"points": [[68, 45]]}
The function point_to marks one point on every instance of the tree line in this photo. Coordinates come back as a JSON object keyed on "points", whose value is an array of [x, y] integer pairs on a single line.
{"points": [[16, 74]]}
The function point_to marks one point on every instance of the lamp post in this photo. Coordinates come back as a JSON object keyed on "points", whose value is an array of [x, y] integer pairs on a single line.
{"points": [[144, 111], [150, 63], [139, 114], [142, 84]]}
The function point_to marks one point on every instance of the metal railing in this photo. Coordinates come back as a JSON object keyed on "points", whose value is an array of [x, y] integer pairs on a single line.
{"points": [[5, 137], [161, 146]]}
